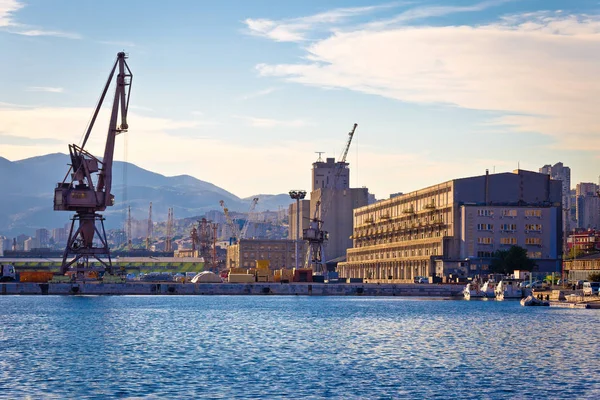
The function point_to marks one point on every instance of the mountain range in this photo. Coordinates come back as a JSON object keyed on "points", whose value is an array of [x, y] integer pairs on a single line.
{"points": [[26, 200]]}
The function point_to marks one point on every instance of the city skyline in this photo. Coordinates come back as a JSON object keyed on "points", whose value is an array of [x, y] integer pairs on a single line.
{"points": [[244, 95]]}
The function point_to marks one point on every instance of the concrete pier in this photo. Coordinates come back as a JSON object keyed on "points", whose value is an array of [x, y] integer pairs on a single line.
{"points": [[173, 288]]}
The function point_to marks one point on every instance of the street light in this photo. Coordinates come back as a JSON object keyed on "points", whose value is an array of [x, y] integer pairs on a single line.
{"points": [[297, 195]]}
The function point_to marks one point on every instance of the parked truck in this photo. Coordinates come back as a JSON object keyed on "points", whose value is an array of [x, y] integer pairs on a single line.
{"points": [[7, 273]]}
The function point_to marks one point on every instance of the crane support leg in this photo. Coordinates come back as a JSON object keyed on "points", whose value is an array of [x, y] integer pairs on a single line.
{"points": [[81, 246]]}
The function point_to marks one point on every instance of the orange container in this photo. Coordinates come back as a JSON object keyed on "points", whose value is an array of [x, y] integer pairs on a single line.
{"points": [[35, 276]]}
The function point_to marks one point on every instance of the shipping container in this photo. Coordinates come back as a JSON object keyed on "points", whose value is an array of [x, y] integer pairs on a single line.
{"points": [[35, 276]]}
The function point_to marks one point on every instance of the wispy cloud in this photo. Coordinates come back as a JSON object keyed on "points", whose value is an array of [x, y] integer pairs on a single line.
{"points": [[539, 70], [272, 123], [45, 89], [259, 93], [296, 29], [425, 12], [8, 9]]}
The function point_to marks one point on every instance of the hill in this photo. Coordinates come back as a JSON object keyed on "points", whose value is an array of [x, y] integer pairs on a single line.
{"points": [[28, 186]]}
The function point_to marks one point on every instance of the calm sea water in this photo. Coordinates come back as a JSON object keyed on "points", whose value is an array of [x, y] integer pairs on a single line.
{"points": [[294, 347]]}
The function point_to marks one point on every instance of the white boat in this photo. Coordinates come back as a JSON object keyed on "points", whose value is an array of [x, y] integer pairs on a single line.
{"points": [[489, 288], [509, 289], [473, 291]]}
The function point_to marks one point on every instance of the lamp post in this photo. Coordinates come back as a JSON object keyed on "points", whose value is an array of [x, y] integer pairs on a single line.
{"points": [[297, 195]]}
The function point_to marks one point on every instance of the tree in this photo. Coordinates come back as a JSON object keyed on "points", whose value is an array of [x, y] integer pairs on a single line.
{"points": [[594, 277], [507, 261]]}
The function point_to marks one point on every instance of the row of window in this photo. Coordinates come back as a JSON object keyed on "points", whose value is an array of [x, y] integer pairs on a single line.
{"points": [[509, 213], [377, 255], [509, 241], [489, 254], [509, 227]]}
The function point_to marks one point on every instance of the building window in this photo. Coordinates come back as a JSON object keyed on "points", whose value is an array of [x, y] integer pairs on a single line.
{"points": [[533, 213], [508, 240], [485, 240], [485, 227], [533, 241], [508, 227], [484, 254], [534, 254], [485, 213], [509, 213], [533, 227]]}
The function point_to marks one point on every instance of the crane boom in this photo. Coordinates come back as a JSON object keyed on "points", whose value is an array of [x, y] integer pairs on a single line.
{"points": [[345, 152], [247, 223], [235, 230], [89, 188]]}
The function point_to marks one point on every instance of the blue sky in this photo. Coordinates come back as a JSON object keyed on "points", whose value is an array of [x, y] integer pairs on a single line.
{"points": [[243, 93]]}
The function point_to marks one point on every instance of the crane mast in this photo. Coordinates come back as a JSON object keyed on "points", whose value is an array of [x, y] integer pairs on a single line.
{"points": [[86, 188]]}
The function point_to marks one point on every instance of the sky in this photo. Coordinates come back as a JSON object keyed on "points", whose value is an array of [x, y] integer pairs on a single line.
{"points": [[243, 93]]}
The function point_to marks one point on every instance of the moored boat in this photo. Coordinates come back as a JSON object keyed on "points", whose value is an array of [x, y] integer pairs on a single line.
{"points": [[508, 289], [473, 291]]}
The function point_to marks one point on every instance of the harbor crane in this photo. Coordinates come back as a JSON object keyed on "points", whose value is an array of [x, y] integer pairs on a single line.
{"points": [[247, 223], [86, 188], [235, 229], [314, 234]]}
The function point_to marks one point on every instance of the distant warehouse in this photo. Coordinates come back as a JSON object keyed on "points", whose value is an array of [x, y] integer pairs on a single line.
{"points": [[455, 227]]}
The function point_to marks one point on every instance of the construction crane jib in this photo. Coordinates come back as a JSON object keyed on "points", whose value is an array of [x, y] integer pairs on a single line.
{"points": [[86, 188]]}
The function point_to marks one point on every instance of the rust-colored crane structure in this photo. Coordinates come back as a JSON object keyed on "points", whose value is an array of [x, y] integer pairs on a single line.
{"points": [[86, 188]]}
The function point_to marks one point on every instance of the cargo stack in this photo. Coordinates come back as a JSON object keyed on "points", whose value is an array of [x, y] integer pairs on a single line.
{"points": [[303, 275], [240, 275], [263, 271]]}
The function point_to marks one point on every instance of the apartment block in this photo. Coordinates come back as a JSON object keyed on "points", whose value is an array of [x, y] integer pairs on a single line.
{"points": [[454, 227], [587, 206], [561, 173]]}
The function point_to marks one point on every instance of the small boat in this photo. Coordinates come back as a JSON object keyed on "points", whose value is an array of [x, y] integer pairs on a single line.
{"points": [[533, 301], [489, 288], [473, 291], [509, 289]]}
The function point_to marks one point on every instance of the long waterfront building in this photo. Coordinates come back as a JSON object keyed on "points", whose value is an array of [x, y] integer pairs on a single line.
{"points": [[455, 227]]}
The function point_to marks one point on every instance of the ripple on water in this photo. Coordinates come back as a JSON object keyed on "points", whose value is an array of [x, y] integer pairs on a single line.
{"points": [[293, 347]]}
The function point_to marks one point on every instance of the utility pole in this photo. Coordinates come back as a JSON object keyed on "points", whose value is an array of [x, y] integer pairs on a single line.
{"points": [[297, 195]]}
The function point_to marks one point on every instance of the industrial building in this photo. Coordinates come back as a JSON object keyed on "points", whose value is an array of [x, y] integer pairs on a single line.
{"points": [[331, 192], [280, 253], [453, 228]]}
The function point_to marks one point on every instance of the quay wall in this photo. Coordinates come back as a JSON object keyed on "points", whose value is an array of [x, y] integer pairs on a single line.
{"points": [[173, 288]]}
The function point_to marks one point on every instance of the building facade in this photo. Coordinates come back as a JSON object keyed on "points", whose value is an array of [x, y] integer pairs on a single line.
{"points": [[584, 241], [332, 194], [280, 253], [587, 206], [561, 173], [304, 217], [454, 227]]}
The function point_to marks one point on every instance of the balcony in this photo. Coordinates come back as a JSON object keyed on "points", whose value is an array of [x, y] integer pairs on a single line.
{"points": [[409, 210], [430, 206]]}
